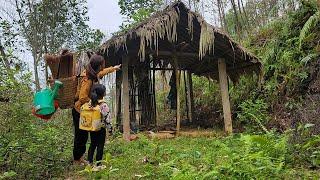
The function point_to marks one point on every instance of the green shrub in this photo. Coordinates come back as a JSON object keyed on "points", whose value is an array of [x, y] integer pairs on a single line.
{"points": [[305, 146], [241, 156], [254, 114], [31, 148]]}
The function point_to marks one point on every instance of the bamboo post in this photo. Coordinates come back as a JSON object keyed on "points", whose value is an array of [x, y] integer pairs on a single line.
{"points": [[126, 100], [154, 93], [190, 96], [186, 93], [118, 98], [223, 80], [178, 95]]}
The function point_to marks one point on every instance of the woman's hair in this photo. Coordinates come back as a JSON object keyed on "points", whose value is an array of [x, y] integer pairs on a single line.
{"points": [[93, 67], [97, 92]]}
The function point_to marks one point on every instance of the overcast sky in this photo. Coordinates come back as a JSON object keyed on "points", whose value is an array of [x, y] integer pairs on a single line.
{"points": [[104, 15]]}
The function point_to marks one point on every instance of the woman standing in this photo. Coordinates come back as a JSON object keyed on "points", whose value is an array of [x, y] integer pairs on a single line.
{"points": [[93, 72]]}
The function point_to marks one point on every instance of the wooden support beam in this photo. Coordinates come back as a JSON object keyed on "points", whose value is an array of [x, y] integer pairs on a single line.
{"points": [[190, 96], [126, 100], [183, 46], [191, 93], [178, 94], [118, 98], [178, 54], [223, 80], [166, 69], [186, 93], [154, 93], [132, 104]]}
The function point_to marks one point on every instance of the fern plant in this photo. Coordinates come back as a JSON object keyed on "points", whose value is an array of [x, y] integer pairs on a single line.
{"points": [[309, 26], [309, 58]]}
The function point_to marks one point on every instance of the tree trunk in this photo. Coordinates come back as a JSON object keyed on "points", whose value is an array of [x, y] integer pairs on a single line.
{"points": [[35, 69], [236, 18], [292, 5], [46, 73], [195, 6], [241, 14], [6, 62], [239, 7], [220, 14], [223, 15], [246, 19], [4, 57]]}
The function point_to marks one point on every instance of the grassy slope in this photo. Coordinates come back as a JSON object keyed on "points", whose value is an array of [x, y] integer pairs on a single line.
{"points": [[240, 157]]}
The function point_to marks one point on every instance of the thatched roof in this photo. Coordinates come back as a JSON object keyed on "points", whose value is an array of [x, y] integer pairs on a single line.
{"points": [[179, 32]]}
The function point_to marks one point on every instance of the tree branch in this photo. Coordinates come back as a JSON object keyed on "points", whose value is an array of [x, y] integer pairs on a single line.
{"points": [[4, 56]]}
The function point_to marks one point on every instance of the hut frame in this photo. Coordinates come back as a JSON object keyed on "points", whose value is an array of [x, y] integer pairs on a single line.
{"points": [[183, 39]]}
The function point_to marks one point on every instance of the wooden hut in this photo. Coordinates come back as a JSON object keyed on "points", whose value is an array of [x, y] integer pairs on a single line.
{"points": [[183, 39]]}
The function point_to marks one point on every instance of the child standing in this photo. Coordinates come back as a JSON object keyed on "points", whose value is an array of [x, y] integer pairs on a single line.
{"points": [[98, 137]]}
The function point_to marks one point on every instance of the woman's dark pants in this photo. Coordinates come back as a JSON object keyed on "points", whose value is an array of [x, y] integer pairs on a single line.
{"points": [[80, 137]]}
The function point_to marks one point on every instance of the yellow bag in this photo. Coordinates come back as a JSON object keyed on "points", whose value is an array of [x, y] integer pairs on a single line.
{"points": [[90, 117]]}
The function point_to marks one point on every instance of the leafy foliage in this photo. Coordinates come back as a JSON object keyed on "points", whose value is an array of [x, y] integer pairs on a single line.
{"points": [[92, 41], [309, 26], [254, 113], [136, 11], [29, 148], [286, 67], [52, 24], [237, 157]]}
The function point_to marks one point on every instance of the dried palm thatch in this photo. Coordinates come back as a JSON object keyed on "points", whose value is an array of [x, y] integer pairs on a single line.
{"points": [[166, 30]]}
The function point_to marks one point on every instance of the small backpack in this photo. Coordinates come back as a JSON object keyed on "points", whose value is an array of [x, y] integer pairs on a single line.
{"points": [[90, 117]]}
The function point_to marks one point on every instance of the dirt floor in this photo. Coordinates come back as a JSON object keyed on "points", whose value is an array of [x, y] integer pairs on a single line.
{"points": [[185, 132]]}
